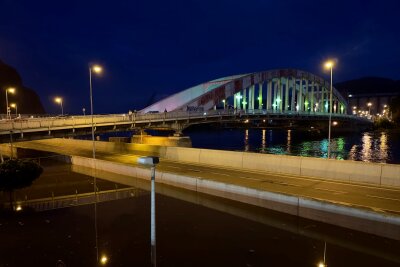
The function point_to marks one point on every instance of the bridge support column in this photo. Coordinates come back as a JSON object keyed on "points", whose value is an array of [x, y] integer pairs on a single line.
{"points": [[280, 101], [275, 106], [260, 103], [292, 105], [253, 89], [312, 97], [287, 95], [300, 96], [269, 94], [306, 97], [244, 99]]}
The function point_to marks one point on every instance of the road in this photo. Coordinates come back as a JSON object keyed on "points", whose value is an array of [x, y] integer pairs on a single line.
{"points": [[377, 198]]}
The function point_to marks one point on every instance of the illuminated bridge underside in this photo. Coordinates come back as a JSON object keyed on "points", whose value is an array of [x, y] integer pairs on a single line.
{"points": [[274, 90]]}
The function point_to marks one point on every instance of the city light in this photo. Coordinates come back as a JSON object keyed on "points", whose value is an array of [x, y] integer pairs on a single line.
{"points": [[329, 64], [103, 260], [11, 90], [97, 69]]}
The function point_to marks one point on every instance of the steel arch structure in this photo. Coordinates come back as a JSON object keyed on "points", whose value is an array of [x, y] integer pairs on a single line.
{"points": [[274, 90]]}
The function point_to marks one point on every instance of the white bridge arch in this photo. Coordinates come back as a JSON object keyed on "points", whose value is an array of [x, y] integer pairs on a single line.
{"points": [[274, 90]]}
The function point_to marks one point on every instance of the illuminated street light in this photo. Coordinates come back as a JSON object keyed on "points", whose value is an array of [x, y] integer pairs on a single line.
{"points": [[13, 105], [59, 100], [12, 91], [369, 108], [103, 260], [329, 65], [96, 69]]}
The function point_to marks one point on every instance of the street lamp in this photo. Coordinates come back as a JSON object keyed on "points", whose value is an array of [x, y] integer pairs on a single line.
{"points": [[12, 91], [96, 69], [13, 105], [369, 108], [59, 100], [329, 65], [152, 162]]}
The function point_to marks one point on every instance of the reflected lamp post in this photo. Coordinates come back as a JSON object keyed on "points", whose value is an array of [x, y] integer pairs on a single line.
{"points": [[329, 65], [59, 100], [10, 90], [152, 162]]}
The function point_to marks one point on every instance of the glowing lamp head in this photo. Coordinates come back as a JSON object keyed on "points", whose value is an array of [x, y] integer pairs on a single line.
{"points": [[11, 90], [329, 64], [97, 69], [369, 104], [13, 105], [58, 100], [103, 260]]}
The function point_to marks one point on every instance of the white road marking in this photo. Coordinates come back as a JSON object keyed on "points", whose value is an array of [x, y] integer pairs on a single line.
{"points": [[249, 178], [331, 190], [387, 198]]}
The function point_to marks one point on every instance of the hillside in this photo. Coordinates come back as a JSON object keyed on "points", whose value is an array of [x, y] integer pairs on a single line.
{"points": [[369, 85], [27, 99]]}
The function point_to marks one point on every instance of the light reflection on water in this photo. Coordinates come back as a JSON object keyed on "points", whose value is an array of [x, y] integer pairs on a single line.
{"points": [[368, 146]]}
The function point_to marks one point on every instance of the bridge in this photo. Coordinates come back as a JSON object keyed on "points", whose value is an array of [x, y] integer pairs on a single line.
{"points": [[284, 97]]}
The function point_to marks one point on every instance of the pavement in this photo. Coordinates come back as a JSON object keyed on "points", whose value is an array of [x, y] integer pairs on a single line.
{"points": [[377, 198]]}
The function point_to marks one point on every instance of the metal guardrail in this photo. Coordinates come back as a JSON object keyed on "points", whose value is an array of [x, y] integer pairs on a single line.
{"points": [[72, 122]]}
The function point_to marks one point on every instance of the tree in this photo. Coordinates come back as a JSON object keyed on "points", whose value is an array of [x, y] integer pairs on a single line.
{"points": [[16, 174], [394, 107]]}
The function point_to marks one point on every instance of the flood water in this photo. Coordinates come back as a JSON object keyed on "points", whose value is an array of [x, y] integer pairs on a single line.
{"points": [[192, 230], [374, 146]]}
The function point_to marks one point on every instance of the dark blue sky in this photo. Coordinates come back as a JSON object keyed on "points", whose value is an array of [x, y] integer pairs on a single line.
{"points": [[164, 46]]}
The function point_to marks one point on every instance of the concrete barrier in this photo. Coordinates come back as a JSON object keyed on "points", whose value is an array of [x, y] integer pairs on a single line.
{"points": [[344, 170], [340, 170], [365, 220], [221, 158]]}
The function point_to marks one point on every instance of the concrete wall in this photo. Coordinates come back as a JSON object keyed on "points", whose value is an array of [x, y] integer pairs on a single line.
{"points": [[359, 219], [344, 170]]}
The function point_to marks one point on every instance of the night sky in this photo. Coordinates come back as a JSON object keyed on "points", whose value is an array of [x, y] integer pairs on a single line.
{"points": [[161, 47]]}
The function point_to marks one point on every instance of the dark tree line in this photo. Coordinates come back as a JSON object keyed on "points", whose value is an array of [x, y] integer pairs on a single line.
{"points": [[16, 174]]}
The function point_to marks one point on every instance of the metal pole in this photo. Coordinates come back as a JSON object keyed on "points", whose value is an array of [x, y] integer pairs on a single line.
{"points": [[62, 109], [7, 103], [94, 157], [330, 119], [153, 217]]}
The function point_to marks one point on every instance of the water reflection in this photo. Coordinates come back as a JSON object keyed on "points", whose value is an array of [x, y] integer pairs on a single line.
{"points": [[373, 148], [368, 146], [263, 143], [289, 139], [246, 141]]}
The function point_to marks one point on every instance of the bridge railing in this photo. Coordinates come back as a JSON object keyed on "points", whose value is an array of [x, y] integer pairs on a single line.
{"points": [[112, 119]]}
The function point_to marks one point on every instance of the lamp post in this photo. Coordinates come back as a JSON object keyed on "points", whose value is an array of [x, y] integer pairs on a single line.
{"points": [[152, 162], [369, 108], [96, 69], [329, 65], [59, 100], [13, 105], [12, 91]]}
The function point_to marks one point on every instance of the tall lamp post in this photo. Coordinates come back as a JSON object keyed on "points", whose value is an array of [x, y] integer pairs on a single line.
{"points": [[94, 69], [13, 105], [59, 100], [152, 162], [12, 91], [369, 108], [329, 65]]}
